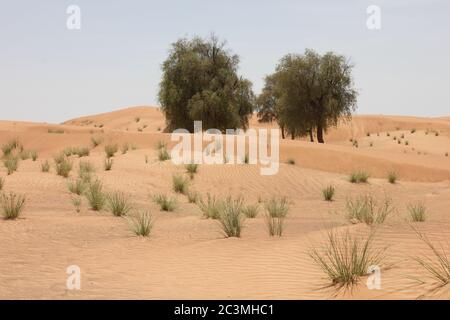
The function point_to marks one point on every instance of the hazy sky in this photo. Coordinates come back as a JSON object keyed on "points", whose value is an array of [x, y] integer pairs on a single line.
{"points": [[49, 73]]}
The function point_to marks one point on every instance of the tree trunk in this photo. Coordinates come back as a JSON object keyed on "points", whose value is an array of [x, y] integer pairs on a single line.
{"points": [[320, 133], [282, 133], [293, 136], [311, 136]]}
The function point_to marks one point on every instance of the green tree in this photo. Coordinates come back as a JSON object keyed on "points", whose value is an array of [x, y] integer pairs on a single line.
{"points": [[309, 92], [200, 82]]}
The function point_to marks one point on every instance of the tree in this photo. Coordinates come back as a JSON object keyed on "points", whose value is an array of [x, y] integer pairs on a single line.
{"points": [[200, 82], [310, 92]]}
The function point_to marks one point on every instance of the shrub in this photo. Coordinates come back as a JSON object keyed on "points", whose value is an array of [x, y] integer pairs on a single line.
{"points": [[251, 210], [277, 207], [96, 141], [125, 148], [413, 130], [417, 212], [359, 177], [211, 208], [11, 163], [180, 184], [366, 209], [274, 225], [63, 167], [108, 164], [34, 155], [392, 177], [137, 119], [10, 146], [161, 145], [81, 152], [406, 143], [231, 218], [95, 196], [192, 169], [76, 201], [24, 154], [12, 205], [119, 203], [142, 224], [328, 193], [346, 258], [192, 196], [163, 154], [45, 166], [291, 161], [110, 150], [77, 186], [165, 203], [85, 169]]}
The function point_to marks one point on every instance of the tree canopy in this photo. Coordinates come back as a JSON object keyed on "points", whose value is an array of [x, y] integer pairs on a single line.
{"points": [[308, 93], [200, 82]]}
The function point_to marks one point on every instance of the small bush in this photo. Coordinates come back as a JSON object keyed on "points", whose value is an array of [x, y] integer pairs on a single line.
{"points": [[96, 141], [10, 146], [34, 155], [328, 193], [137, 119], [95, 196], [77, 186], [12, 205], [417, 212], [63, 167], [86, 166], [81, 152], [110, 150], [359, 177], [165, 203], [277, 207], [45, 166], [161, 145], [406, 143], [76, 201], [108, 164], [180, 184], [119, 203], [163, 154], [192, 196], [346, 258], [211, 208], [192, 169], [365, 209], [142, 224], [125, 148], [274, 225], [231, 218], [251, 210], [291, 161], [11, 163], [392, 177], [413, 130]]}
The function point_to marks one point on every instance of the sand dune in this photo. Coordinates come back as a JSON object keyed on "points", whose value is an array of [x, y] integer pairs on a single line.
{"points": [[187, 256]]}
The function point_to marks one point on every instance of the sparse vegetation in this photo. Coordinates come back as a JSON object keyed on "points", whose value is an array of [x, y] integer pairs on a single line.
{"points": [[211, 208], [12, 205], [328, 193], [163, 154], [413, 131], [417, 212], [63, 166], [359, 177], [392, 177], [118, 203], [58, 131], [108, 164], [192, 196], [76, 201], [96, 141], [277, 206], [291, 161], [165, 203], [180, 184], [45, 166], [231, 218], [95, 196], [110, 150], [10, 146], [24, 154], [275, 225], [346, 258], [76, 186], [11, 164], [141, 224], [191, 169], [250, 210], [366, 209], [34, 155], [125, 148]]}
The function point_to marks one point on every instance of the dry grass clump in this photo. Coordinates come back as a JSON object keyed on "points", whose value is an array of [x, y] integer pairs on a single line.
{"points": [[277, 207], [119, 203], [125, 147], [45, 166], [275, 225], [11, 164], [76, 201], [96, 141], [24, 154], [108, 164], [346, 258], [141, 224], [328, 193], [76, 186], [63, 165], [165, 203], [58, 131], [231, 218], [366, 209], [34, 155], [12, 205], [359, 177], [110, 150], [211, 208], [191, 169], [392, 177], [163, 154], [193, 196], [95, 196], [417, 212], [180, 184], [11, 146], [290, 161], [85, 171], [250, 210]]}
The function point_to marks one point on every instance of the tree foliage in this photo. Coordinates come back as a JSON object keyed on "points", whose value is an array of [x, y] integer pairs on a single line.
{"points": [[200, 82], [308, 92]]}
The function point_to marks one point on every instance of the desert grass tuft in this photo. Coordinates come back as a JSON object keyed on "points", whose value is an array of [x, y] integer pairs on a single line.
{"points": [[328, 193], [11, 164], [277, 207], [359, 177], [165, 203], [108, 164], [211, 207], [366, 209], [10, 146], [191, 169], [110, 150], [291, 161], [392, 177], [345, 258], [63, 167], [180, 184], [76, 201], [45, 166], [119, 203], [95, 196], [250, 210], [141, 224], [163, 154], [12, 205], [231, 218], [417, 212], [275, 225], [192, 196], [125, 147], [34, 155], [96, 141], [76, 186]]}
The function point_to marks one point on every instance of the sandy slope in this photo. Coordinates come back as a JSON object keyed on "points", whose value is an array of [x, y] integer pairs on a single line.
{"points": [[186, 255]]}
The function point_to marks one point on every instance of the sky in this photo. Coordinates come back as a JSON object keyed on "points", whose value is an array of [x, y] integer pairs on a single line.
{"points": [[49, 73]]}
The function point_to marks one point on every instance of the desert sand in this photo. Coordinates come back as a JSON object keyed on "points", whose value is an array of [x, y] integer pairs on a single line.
{"points": [[187, 256]]}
